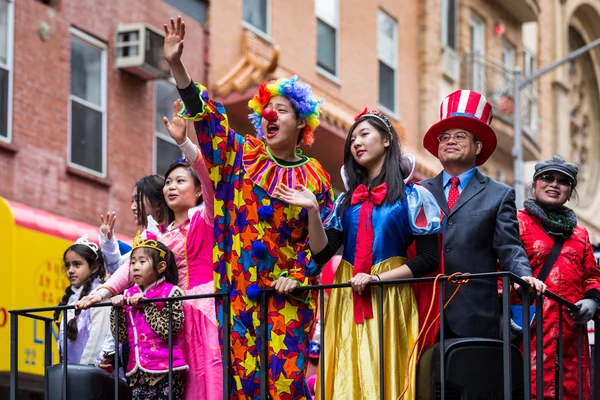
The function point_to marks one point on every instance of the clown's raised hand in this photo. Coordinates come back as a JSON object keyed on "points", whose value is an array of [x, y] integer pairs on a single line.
{"points": [[174, 34]]}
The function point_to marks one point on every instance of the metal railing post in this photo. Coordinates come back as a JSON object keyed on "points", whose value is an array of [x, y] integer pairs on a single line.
{"points": [[322, 363], [47, 355], [116, 333], [14, 360], [559, 353], [226, 306], [506, 350], [170, 326], [381, 342], [539, 348], [65, 354], [442, 340], [526, 343], [596, 355], [264, 347]]}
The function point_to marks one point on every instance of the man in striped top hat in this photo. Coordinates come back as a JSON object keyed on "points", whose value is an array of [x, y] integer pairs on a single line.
{"points": [[481, 228]]}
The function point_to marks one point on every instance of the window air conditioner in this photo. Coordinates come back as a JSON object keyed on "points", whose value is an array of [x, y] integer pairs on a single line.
{"points": [[140, 51]]}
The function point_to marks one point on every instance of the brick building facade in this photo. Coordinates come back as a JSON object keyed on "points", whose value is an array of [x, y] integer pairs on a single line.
{"points": [[399, 56], [80, 131]]}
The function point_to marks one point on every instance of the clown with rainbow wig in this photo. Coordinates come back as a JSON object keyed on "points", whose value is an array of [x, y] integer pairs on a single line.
{"points": [[260, 240]]}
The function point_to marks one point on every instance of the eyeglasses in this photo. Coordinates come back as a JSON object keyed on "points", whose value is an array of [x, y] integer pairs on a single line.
{"points": [[458, 136], [549, 178]]}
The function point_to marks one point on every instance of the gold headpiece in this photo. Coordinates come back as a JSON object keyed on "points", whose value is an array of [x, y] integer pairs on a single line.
{"points": [[139, 241]]}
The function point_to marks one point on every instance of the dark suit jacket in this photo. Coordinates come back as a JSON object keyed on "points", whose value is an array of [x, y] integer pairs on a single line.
{"points": [[481, 230]]}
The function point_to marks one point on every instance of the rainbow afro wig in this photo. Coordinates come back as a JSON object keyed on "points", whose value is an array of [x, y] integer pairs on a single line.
{"points": [[299, 94]]}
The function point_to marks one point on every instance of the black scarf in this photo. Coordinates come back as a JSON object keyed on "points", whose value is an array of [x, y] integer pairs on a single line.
{"points": [[555, 222]]}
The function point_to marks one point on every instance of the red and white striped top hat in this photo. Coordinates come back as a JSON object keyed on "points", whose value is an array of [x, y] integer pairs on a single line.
{"points": [[468, 110]]}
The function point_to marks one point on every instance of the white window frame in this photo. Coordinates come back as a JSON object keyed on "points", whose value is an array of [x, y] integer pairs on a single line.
{"points": [[9, 67], [92, 41], [530, 67], [394, 112], [509, 61], [477, 23], [265, 35], [157, 134], [335, 24], [444, 28]]}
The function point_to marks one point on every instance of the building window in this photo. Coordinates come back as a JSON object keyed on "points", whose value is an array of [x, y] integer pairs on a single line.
{"points": [[196, 9], [256, 15], [327, 12], [508, 61], [530, 93], [6, 48], [165, 149], [477, 28], [508, 56], [448, 23], [87, 104], [387, 52]]}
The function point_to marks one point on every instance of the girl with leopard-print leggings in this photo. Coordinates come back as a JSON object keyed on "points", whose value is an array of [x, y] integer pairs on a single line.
{"points": [[145, 325]]}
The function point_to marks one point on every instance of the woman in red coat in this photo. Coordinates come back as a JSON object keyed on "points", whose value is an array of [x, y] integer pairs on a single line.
{"points": [[574, 275]]}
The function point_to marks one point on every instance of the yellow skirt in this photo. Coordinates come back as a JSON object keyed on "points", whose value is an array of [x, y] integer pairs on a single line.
{"points": [[351, 350]]}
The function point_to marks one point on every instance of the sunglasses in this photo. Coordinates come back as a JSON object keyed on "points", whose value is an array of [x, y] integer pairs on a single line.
{"points": [[562, 180]]}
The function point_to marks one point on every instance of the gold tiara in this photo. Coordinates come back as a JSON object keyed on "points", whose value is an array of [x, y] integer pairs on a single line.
{"points": [[139, 241]]}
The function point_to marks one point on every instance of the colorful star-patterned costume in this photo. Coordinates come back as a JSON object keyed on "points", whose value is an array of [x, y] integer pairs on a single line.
{"points": [[258, 239]]}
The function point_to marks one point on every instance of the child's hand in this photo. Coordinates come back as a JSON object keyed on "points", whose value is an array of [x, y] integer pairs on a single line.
{"points": [[106, 364], [108, 224], [133, 300], [87, 301], [177, 129], [118, 300], [174, 34]]}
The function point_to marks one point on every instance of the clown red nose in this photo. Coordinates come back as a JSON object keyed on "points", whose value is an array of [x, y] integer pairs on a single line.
{"points": [[270, 115]]}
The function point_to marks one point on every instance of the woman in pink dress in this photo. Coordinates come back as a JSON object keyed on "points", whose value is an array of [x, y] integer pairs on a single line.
{"points": [[190, 238]]}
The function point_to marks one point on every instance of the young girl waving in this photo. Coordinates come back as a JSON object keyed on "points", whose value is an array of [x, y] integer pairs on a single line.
{"points": [[145, 327], [85, 330], [375, 220]]}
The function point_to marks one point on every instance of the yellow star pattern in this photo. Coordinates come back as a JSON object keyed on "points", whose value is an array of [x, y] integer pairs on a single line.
{"points": [[277, 342], [284, 384], [219, 208], [290, 312], [292, 212], [249, 362]]}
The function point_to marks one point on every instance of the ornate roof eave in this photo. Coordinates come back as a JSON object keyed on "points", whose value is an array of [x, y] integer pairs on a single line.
{"points": [[259, 58]]}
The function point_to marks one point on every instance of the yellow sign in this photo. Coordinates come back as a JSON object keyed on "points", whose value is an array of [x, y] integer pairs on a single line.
{"points": [[33, 277]]}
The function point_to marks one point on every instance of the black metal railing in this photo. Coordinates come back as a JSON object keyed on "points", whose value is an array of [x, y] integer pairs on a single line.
{"points": [[507, 280], [32, 313]]}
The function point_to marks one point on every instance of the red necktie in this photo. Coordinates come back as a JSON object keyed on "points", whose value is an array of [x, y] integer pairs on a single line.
{"points": [[453, 194], [363, 259]]}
